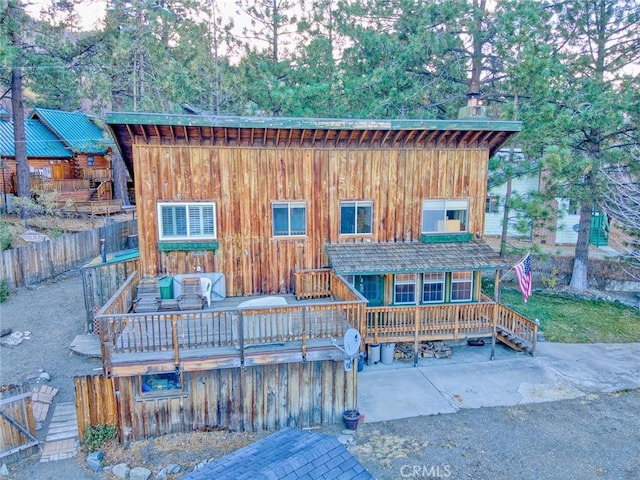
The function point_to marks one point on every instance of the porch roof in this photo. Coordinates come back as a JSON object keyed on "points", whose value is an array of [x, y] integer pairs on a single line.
{"points": [[413, 257]]}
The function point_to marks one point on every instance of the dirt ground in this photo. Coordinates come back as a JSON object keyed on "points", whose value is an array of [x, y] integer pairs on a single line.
{"points": [[590, 437]]}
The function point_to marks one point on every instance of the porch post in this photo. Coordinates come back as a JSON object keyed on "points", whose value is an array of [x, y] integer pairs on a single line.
{"points": [[496, 296]]}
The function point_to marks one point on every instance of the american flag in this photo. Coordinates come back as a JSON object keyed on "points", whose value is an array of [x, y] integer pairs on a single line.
{"points": [[523, 272]]}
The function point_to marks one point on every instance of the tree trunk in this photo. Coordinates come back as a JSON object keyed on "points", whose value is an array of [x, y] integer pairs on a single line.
{"points": [[119, 171], [22, 167], [579, 277]]}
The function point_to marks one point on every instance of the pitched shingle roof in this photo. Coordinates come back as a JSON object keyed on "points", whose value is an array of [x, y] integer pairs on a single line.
{"points": [[413, 257], [75, 129], [289, 454], [40, 141]]}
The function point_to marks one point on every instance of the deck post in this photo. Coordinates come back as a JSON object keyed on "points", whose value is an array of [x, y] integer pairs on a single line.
{"points": [[304, 334], [496, 295], [416, 320], [241, 336], [174, 334]]}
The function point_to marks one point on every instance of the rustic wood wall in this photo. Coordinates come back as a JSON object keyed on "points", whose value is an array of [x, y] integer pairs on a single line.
{"points": [[265, 397], [95, 402], [18, 435], [244, 181]]}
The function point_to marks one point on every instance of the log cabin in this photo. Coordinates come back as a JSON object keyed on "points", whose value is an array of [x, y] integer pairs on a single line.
{"points": [[307, 229], [67, 152]]}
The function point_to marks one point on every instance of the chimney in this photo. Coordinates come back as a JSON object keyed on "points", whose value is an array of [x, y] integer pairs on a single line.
{"points": [[4, 115], [474, 107]]}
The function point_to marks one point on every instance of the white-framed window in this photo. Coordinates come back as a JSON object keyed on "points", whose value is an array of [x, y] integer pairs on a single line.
{"points": [[433, 288], [91, 161], [289, 219], [183, 221], [445, 215], [461, 286], [356, 217], [493, 204], [404, 288]]}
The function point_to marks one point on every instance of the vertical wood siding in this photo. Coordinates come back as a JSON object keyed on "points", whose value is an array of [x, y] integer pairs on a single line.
{"points": [[243, 182], [265, 397]]}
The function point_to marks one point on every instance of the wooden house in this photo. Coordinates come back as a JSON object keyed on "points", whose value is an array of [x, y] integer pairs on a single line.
{"points": [[374, 225], [67, 152]]}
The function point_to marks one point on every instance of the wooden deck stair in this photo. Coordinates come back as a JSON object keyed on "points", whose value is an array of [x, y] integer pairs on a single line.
{"points": [[513, 341]]}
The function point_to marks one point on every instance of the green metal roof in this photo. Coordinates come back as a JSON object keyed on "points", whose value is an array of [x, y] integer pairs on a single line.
{"points": [[308, 123], [41, 142], [76, 129]]}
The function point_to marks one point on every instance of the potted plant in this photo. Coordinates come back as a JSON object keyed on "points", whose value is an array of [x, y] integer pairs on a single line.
{"points": [[351, 418]]}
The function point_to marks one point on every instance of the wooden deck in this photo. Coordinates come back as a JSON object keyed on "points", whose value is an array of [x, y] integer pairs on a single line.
{"points": [[309, 327]]}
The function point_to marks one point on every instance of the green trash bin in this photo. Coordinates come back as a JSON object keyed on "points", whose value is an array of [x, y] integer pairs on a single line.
{"points": [[166, 288]]}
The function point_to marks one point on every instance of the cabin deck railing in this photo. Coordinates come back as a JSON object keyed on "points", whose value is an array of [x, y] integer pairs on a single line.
{"points": [[239, 328], [444, 322], [176, 333]]}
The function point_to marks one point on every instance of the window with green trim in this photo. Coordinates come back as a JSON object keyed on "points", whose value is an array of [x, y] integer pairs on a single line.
{"points": [[184, 221], [289, 219], [433, 288], [405, 289], [445, 215], [461, 286]]}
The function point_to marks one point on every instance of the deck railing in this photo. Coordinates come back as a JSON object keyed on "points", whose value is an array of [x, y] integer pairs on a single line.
{"points": [[428, 322], [179, 332], [444, 322]]}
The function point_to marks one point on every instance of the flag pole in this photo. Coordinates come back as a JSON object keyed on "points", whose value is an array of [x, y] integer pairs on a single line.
{"points": [[514, 265]]}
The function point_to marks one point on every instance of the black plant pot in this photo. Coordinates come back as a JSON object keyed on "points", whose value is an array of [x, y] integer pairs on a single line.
{"points": [[351, 418]]}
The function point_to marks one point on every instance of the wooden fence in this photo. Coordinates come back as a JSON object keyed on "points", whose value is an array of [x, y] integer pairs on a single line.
{"points": [[100, 281], [37, 262], [17, 425], [95, 402]]}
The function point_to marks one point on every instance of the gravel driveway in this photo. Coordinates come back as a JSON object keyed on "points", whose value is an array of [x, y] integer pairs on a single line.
{"points": [[595, 436]]}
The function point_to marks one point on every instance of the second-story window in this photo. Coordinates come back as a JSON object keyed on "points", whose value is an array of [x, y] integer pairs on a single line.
{"points": [[90, 161], [355, 217], [405, 288], [187, 221], [445, 215], [289, 219]]}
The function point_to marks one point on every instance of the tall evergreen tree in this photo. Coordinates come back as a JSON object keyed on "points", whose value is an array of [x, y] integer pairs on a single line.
{"points": [[594, 102]]}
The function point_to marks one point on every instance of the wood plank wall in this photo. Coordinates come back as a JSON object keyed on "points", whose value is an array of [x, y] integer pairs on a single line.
{"points": [[265, 397], [245, 181], [36, 262], [16, 413], [95, 402]]}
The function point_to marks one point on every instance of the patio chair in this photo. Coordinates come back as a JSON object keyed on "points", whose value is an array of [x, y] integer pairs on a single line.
{"points": [[148, 296], [206, 284], [191, 294]]}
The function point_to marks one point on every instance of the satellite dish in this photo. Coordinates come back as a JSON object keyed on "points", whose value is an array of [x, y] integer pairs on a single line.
{"points": [[352, 341]]}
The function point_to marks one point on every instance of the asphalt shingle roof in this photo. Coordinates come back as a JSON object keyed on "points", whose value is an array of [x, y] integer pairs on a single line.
{"points": [[289, 454], [411, 257], [41, 142]]}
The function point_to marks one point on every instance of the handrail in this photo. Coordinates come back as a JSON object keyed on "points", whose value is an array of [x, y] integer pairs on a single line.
{"points": [[443, 322], [244, 328]]}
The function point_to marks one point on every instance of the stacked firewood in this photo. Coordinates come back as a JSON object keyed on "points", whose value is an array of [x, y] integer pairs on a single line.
{"points": [[404, 351]]}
